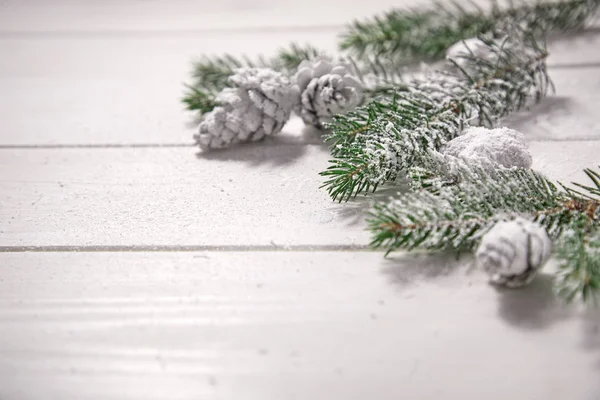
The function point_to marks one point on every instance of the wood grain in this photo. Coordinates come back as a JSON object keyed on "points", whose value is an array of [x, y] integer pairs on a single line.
{"points": [[568, 113], [254, 195], [182, 15], [287, 326], [113, 89], [286, 322]]}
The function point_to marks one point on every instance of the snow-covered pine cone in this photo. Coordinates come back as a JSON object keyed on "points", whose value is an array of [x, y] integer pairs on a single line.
{"points": [[258, 105], [513, 251], [325, 89]]}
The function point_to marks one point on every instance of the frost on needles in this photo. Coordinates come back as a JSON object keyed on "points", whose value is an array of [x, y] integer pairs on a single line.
{"points": [[381, 45], [417, 34], [374, 143], [453, 204], [497, 66]]}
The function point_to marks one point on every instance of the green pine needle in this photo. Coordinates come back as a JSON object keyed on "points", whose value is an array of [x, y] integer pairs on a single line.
{"points": [[579, 266], [453, 211], [411, 35], [374, 143]]}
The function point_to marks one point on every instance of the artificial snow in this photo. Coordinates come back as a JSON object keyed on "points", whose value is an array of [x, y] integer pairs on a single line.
{"points": [[490, 148]]}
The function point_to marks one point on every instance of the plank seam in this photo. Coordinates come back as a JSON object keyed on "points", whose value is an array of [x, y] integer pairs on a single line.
{"points": [[182, 249], [152, 33], [185, 145]]}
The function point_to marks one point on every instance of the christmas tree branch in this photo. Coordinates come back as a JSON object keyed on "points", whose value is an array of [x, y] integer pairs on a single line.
{"points": [[453, 205], [410, 35], [460, 212], [578, 255], [374, 143]]}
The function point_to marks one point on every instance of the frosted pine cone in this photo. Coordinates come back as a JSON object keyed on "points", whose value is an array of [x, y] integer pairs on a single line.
{"points": [[325, 89], [258, 105], [513, 251]]}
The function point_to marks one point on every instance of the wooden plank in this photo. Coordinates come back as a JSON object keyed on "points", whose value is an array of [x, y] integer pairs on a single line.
{"points": [[575, 49], [283, 326], [570, 113], [127, 89], [565, 162], [103, 90], [179, 15], [254, 195], [59, 16]]}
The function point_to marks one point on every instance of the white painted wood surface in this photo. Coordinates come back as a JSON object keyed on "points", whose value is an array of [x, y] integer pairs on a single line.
{"points": [[263, 194], [116, 88], [283, 326], [58, 16], [267, 310]]}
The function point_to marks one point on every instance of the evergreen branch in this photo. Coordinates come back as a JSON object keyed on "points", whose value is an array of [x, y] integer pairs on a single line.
{"points": [[453, 205], [374, 143], [410, 35], [196, 99], [578, 255], [455, 215], [288, 59], [384, 139], [469, 203]]}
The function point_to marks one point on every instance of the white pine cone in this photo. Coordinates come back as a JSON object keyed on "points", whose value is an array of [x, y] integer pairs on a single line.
{"points": [[258, 105], [490, 148], [325, 89], [513, 251]]}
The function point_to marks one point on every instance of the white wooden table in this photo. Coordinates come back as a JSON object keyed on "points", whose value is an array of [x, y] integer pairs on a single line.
{"points": [[131, 268]]}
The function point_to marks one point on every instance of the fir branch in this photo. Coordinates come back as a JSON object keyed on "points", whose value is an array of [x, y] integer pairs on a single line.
{"points": [[287, 59], [453, 205], [410, 35], [454, 216], [578, 250], [374, 143], [470, 202], [197, 99], [578, 255]]}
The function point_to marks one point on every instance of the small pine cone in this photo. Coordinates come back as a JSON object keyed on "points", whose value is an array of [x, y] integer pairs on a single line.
{"points": [[325, 89], [513, 251], [258, 105]]}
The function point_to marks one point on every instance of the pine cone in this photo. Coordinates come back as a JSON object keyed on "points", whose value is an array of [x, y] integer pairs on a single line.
{"points": [[258, 105], [512, 252], [325, 89]]}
